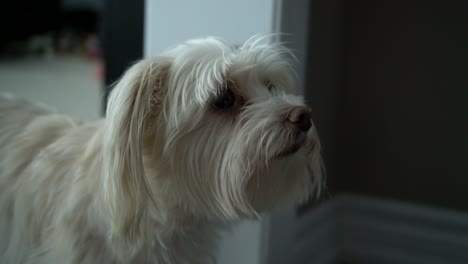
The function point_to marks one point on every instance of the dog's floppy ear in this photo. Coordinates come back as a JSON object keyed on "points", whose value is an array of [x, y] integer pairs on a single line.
{"points": [[136, 97]]}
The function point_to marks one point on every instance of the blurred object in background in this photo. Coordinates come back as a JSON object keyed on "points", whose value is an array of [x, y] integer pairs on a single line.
{"points": [[29, 26], [50, 51], [50, 27]]}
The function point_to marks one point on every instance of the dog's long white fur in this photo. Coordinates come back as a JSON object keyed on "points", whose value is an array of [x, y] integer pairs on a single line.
{"points": [[164, 172]]}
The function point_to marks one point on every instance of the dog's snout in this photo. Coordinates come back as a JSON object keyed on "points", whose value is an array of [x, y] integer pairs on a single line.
{"points": [[301, 117]]}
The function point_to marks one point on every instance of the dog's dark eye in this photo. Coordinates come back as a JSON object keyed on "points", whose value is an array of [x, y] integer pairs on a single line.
{"points": [[224, 100], [270, 86]]}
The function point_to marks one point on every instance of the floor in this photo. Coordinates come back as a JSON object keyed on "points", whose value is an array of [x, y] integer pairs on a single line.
{"points": [[70, 84]]}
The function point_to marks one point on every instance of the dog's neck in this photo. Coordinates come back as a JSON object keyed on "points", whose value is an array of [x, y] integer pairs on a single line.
{"points": [[170, 228]]}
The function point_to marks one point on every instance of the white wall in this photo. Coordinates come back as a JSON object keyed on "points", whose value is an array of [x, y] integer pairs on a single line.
{"points": [[169, 22]]}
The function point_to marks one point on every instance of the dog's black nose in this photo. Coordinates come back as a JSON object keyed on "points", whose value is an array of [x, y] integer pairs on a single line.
{"points": [[301, 117]]}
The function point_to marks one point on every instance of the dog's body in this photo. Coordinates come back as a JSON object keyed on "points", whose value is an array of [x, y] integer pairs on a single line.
{"points": [[50, 198], [193, 140]]}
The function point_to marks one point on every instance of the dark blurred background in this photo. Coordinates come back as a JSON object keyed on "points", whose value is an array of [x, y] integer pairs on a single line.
{"points": [[391, 81]]}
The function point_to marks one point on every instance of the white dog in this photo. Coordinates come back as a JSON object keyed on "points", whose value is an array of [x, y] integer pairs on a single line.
{"points": [[194, 140]]}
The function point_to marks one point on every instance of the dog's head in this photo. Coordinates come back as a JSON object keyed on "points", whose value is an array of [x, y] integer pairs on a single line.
{"points": [[210, 128]]}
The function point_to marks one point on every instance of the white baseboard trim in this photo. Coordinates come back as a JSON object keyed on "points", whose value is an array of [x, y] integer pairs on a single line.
{"points": [[357, 229], [380, 231]]}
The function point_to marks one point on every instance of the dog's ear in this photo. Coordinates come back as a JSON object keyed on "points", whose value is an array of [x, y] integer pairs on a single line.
{"points": [[137, 96]]}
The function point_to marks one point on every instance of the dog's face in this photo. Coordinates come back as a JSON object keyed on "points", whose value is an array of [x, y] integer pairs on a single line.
{"points": [[217, 125]]}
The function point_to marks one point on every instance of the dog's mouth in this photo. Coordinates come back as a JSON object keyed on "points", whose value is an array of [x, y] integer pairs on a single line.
{"points": [[293, 148]]}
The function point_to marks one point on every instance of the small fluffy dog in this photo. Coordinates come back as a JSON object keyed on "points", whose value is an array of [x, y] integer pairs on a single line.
{"points": [[194, 140]]}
